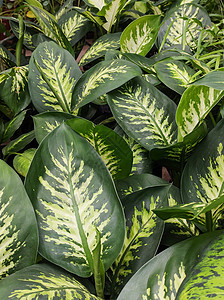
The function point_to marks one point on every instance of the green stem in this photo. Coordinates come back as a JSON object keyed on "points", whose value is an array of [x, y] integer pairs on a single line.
{"points": [[19, 45], [209, 221], [212, 118]]}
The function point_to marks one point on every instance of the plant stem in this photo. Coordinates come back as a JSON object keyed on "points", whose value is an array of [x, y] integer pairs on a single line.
{"points": [[209, 221], [19, 45]]}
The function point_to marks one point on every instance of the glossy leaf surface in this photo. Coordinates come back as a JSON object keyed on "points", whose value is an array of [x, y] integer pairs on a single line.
{"points": [[73, 195], [22, 161]]}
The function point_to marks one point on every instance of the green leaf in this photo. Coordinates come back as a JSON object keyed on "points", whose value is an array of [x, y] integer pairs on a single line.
{"points": [[182, 26], [46, 122], [44, 282], [113, 150], [7, 59], [100, 47], [22, 161], [161, 277], [73, 194], [101, 79], [12, 126], [19, 236], [53, 73], [214, 79], [206, 278], [18, 144], [144, 63], [195, 103], [144, 113], [140, 35], [143, 233], [74, 26], [96, 3], [174, 74], [14, 88]]}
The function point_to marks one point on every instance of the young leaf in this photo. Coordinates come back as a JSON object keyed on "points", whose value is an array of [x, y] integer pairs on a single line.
{"points": [[196, 102], [100, 47], [19, 236], [73, 194], [113, 150], [140, 35], [143, 233], [144, 113], [43, 281], [53, 73], [21, 162], [101, 79], [161, 277]]}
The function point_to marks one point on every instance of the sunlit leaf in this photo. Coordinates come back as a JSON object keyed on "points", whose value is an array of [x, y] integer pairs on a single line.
{"points": [[22, 161]]}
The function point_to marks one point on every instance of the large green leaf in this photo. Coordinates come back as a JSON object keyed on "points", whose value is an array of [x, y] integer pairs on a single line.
{"points": [[74, 197], [46, 122], [43, 281], [214, 79], [101, 79], [100, 47], [52, 75], [139, 36], [174, 74], [161, 277], [196, 102], [143, 233], [19, 236], [14, 88], [144, 113], [204, 181], [74, 26], [182, 26], [205, 281], [113, 150]]}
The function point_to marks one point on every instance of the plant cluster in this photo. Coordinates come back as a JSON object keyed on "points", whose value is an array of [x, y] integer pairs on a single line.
{"points": [[98, 99]]}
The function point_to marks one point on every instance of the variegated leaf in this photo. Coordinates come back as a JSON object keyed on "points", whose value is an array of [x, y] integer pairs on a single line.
{"points": [[96, 3], [101, 79], [100, 47], [74, 197], [182, 26], [206, 278], [18, 144], [174, 74], [14, 88], [162, 276], [113, 150], [22, 161], [196, 102], [64, 9], [144, 63], [50, 28], [144, 113], [7, 59], [46, 122], [141, 161], [139, 36], [52, 76], [43, 281], [18, 234], [143, 233], [74, 26], [204, 181]]}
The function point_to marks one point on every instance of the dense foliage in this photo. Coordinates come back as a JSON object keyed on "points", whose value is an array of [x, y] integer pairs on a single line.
{"points": [[112, 149]]}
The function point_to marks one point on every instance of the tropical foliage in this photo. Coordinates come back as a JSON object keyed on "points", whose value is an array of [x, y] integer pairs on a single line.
{"points": [[111, 150]]}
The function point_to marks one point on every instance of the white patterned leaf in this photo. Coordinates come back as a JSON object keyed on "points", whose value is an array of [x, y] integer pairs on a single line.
{"points": [[96, 3], [140, 35], [18, 233], [74, 197]]}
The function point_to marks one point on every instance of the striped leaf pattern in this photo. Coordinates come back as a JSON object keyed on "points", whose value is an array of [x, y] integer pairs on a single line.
{"points": [[100, 47], [143, 233], [162, 276], [101, 79], [206, 279], [74, 196], [43, 281], [7, 59], [182, 25], [74, 26], [139, 36], [18, 234], [196, 102], [14, 88], [144, 113], [52, 75], [113, 150], [205, 183]]}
